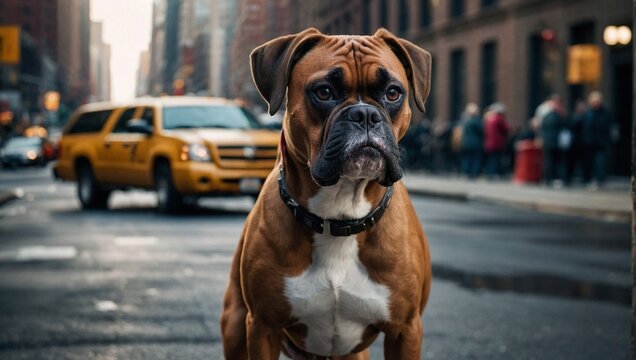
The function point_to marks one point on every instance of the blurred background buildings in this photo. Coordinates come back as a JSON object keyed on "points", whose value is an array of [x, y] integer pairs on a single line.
{"points": [[58, 54], [517, 52]]}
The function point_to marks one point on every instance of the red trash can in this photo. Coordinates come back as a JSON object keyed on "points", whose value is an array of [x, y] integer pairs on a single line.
{"points": [[528, 162]]}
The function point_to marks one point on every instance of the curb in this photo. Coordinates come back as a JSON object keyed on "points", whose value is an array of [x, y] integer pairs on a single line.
{"points": [[439, 194], [597, 214]]}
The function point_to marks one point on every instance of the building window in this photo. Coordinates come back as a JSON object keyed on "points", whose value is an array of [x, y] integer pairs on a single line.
{"points": [[404, 17], [347, 22], [488, 74], [457, 83], [425, 13], [456, 8], [384, 14], [488, 3], [539, 87], [581, 33], [366, 18]]}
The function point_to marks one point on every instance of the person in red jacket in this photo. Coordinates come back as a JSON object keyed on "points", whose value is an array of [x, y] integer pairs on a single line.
{"points": [[496, 131]]}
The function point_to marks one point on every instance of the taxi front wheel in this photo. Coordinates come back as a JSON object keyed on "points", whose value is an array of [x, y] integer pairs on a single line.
{"points": [[168, 198], [89, 191]]}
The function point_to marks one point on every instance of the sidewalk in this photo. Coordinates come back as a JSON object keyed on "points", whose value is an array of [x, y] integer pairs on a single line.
{"points": [[611, 203]]}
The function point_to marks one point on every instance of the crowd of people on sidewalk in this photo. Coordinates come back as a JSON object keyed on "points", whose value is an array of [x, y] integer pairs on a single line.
{"points": [[580, 140], [570, 144]]}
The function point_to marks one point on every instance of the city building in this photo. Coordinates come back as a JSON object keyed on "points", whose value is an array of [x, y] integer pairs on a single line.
{"points": [[250, 32], [171, 48], [221, 23], [54, 39], [34, 17], [73, 50], [190, 49], [517, 52], [157, 41], [143, 74], [194, 46], [257, 21], [99, 65]]}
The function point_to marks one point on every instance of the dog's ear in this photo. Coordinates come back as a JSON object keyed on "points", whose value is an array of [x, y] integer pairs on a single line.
{"points": [[416, 62], [271, 64]]}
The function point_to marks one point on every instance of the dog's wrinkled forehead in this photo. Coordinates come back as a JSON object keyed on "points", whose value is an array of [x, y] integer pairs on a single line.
{"points": [[310, 52], [352, 62]]}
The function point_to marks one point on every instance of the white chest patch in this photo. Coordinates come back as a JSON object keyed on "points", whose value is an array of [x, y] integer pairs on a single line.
{"points": [[334, 297]]}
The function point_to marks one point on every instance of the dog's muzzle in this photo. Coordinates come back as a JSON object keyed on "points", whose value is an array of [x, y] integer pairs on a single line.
{"points": [[358, 143]]}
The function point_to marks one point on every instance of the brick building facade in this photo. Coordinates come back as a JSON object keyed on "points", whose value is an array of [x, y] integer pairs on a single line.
{"points": [[511, 51]]}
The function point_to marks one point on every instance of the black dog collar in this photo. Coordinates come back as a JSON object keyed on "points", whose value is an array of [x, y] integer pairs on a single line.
{"points": [[336, 227]]}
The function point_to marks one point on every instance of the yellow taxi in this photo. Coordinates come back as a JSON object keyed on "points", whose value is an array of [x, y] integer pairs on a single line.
{"points": [[178, 146]]}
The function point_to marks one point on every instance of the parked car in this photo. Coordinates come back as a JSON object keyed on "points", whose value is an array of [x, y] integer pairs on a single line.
{"points": [[22, 151], [179, 146]]}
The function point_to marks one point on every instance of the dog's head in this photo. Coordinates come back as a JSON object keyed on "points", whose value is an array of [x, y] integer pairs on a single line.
{"points": [[347, 99]]}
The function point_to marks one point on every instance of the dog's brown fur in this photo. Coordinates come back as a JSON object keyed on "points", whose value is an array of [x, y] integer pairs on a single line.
{"points": [[256, 319]]}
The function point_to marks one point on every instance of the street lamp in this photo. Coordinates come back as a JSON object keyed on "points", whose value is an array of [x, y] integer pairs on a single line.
{"points": [[615, 35], [51, 100], [624, 35]]}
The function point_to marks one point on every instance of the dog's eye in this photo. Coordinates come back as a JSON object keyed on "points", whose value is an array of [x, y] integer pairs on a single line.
{"points": [[324, 93], [393, 94]]}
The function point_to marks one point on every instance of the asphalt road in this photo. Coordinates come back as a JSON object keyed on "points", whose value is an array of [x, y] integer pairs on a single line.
{"points": [[129, 283]]}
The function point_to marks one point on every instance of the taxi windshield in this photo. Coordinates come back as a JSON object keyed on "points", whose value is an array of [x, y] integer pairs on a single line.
{"points": [[208, 116]]}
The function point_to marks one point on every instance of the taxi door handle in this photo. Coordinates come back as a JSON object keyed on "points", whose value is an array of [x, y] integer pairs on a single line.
{"points": [[107, 145], [126, 145]]}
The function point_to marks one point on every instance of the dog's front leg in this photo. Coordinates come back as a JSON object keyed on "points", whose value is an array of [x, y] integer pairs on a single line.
{"points": [[407, 344], [263, 342]]}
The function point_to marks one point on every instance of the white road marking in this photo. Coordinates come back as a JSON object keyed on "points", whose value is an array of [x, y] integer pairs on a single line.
{"points": [[135, 240], [31, 253], [14, 211], [106, 305], [220, 259], [152, 292]]}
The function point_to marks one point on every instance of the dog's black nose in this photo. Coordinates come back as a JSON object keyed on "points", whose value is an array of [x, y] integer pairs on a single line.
{"points": [[364, 114]]}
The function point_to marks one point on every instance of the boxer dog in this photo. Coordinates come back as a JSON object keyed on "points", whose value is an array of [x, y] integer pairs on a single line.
{"points": [[332, 252]]}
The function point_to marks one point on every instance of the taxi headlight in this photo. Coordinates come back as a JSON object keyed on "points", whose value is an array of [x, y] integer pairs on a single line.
{"points": [[31, 155], [195, 152]]}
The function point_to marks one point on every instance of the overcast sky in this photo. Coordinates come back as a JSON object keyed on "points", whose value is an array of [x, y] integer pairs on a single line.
{"points": [[126, 27]]}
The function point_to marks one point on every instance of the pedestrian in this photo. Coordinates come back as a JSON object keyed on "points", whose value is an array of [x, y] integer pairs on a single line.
{"points": [[414, 142], [596, 138], [496, 131], [472, 141], [444, 155], [573, 155], [553, 143], [544, 108]]}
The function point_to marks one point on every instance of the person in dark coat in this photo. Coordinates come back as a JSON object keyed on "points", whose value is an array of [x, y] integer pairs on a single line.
{"points": [[472, 141], [596, 139], [573, 155], [551, 126]]}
